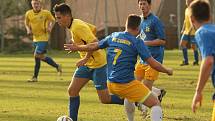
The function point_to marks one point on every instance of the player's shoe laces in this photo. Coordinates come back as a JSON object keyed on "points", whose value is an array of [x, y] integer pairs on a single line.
{"points": [[59, 70], [195, 63], [184, 63], [163, 93], [33, 79], [144, 110]]}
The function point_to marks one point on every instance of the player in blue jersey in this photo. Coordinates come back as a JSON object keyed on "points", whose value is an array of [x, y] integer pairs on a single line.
{"points": [[123, 49], [200, 18], [152, 32]]}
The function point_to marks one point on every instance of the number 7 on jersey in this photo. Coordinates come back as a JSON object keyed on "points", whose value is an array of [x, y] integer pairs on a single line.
{"points": [[118, 53]]}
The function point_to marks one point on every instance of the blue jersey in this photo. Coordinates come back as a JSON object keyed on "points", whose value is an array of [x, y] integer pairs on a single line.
{"points": [[205, 38], [122, 52], [152, 28]]}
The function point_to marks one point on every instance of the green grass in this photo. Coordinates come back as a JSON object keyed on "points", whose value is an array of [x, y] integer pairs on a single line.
{"points": [[48, 99]]}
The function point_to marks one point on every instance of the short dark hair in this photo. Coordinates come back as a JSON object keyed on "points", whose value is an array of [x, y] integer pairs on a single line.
{"points": [[200, 10], [148, 1], [63, 9], [133, 21]]}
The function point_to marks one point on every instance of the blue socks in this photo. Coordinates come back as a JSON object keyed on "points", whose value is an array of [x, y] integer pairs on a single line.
{"points": [[36, 67], [74, 103], [116, 100], [184, 50], [50, 61], [196, 55]]}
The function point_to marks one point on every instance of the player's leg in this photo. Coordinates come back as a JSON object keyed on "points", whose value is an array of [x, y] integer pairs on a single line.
{"points": [[129, 109], [195, 50], [100, 81], [80, 78], [37, 51], [156, 111], [183, 44], [43, 47]]}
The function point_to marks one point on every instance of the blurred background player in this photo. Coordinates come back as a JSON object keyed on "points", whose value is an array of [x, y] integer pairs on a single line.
{"points": [[200, 17], [188, 33], [152, 32], [92, 65], [38, 22], [123, 49]]}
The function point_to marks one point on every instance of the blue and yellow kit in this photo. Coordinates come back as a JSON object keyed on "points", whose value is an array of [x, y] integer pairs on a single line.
{"points": [[122, 51], [151, 29]]}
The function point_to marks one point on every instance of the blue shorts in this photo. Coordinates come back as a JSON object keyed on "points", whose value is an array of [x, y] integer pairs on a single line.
{"points": [[40, 47], [188, 38], [97, 75]]}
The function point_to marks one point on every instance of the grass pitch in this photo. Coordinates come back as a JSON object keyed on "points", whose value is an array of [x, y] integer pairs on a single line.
{"points": [[47, 99]]}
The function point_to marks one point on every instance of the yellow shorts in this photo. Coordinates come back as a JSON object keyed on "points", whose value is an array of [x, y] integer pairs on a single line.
{"points": [[213, 114], [146, 72], [134, 91]]}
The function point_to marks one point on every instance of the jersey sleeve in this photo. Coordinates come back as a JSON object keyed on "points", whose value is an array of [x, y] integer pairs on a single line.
{"points": [[27, 17], [159, 29], [206, 44], [85, 33], [104, 42], [142, 50]]}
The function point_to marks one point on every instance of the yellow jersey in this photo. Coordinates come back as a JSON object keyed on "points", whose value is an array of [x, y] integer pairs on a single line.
{"points": [[84, 33], [38, 23], [188, 30]]}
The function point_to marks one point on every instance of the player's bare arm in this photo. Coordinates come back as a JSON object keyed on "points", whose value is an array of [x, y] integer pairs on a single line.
{"points": [[28, 27], [205, 71], [159, 67], [89, 47]]}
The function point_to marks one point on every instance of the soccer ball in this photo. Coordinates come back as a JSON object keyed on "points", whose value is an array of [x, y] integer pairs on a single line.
{"points": [[64, 118]]}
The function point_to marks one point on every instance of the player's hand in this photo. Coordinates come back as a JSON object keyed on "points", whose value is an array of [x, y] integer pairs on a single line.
{"points": [[196, 99], [70, 47], [81, 62], [29, 32], [169, 71]]}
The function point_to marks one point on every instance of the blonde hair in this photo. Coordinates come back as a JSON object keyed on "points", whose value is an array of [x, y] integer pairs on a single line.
{"points": [[37, 0]]}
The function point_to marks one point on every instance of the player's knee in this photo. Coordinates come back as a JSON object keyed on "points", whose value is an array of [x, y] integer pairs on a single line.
{"points": [[72, 92]]}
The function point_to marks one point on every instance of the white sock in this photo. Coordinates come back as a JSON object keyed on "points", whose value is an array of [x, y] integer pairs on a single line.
{"points": [[156, 113], [129, 109], [156, 91]]}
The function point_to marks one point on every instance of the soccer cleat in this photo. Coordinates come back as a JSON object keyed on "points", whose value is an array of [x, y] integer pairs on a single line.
{"points": [[59, 70], [144, 111], [33, 79], [184, 63], [195, 63], [163, 93]]}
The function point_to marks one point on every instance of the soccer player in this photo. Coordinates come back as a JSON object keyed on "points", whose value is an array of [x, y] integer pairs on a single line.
{"points": [[38, 22], [92, 65], [188, 33], [123, 49], [152, 32], [200, 17]]}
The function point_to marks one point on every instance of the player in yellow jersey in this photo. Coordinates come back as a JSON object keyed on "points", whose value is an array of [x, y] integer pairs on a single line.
{"points": [[38, 22], [188, 33], [92, 65]]}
